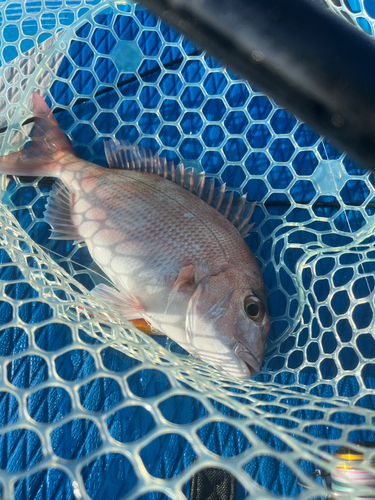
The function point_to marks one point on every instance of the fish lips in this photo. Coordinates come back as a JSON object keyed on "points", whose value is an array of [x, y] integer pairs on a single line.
{"points": [[244, 354]]}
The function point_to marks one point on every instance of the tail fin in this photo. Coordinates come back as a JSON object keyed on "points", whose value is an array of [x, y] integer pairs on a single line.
{"points": [[49, 145]]}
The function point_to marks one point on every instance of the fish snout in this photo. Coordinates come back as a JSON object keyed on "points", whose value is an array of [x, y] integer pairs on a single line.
{"points": [[244, 354]]}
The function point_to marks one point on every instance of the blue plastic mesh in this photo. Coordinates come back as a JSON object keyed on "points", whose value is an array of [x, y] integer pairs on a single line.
{"points": [[92, 409]]}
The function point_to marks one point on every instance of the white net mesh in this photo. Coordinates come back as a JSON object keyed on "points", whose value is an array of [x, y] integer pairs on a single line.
{"points": [[93, 409]]}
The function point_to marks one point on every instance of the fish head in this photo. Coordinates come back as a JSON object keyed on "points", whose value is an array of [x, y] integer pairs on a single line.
{"points": [[227, 322]]}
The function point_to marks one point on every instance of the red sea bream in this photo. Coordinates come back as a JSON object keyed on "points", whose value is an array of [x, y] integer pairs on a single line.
{"points": [[175, 261]]}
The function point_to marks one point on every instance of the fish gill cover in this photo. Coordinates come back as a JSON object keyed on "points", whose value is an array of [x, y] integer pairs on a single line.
{"points": [[93, 409]]}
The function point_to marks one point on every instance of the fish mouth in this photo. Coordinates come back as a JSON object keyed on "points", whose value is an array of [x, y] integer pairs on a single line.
{"points": [[250, 361]]}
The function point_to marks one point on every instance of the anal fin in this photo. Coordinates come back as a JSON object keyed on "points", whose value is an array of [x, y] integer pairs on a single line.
{"points": [[58, 214], [125, 304]]}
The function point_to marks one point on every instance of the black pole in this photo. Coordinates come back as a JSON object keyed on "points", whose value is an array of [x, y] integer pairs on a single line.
{"points": [[301, 54]]}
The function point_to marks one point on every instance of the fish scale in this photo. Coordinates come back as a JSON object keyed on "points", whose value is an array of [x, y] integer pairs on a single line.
{"points": [[194, 238], [176, 262]]}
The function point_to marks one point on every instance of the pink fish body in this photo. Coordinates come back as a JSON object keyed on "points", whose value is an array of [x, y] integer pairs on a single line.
{"points": [[175, 260]]}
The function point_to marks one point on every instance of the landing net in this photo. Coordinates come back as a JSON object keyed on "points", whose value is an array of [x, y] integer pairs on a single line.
{"points": [[90, 407]]}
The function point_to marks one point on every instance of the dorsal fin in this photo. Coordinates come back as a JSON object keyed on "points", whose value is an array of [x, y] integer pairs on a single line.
{"points": [[123, 154]]}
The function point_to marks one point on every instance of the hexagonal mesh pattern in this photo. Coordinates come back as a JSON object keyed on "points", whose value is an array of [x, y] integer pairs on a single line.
{"points": [[93, 409]]}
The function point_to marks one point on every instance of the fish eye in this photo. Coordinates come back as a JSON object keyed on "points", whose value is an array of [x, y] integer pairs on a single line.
{"points": [[254, 308]]}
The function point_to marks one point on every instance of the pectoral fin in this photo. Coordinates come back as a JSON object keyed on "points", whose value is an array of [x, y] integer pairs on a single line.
{"points": [[194, 310], [124, 304], [191, 313], [185, 279]]}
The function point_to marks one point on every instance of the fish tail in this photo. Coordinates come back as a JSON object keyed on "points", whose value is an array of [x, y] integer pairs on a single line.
{"points": [[48, 146]]}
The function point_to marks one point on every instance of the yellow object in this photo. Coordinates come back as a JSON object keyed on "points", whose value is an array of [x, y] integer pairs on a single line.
{"points": [[142, 325]]}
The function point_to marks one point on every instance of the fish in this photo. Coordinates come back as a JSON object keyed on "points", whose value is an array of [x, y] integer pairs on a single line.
{"points": [[176, 261]]}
